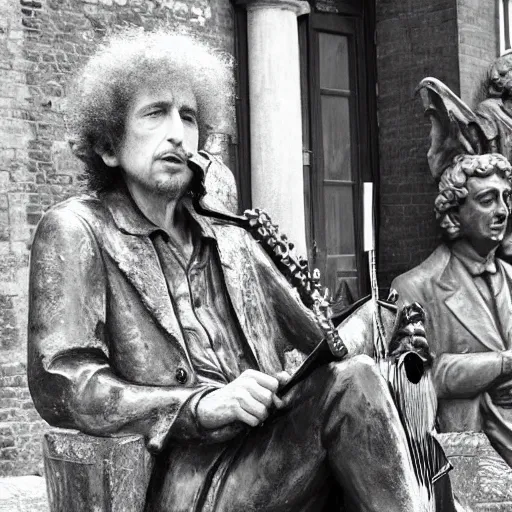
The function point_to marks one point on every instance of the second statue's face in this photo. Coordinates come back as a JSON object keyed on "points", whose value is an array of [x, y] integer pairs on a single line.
{"points": [[483, 215]]}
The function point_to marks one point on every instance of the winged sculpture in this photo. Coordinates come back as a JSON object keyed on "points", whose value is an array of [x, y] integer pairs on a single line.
{"points": [[458, 129]]}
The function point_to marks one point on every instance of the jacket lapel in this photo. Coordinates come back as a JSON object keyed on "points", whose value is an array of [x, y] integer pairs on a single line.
{"points": [[244, 288], [463, 299], [137, 259], [128, 244]]}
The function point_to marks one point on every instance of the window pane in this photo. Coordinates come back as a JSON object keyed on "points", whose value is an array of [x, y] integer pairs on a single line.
{"points": [[333, 61], [336, 138], [339, 219]]}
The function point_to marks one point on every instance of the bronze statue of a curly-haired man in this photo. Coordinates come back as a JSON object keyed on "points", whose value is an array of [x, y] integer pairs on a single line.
{"points": [[146, 317], [466, 292]]}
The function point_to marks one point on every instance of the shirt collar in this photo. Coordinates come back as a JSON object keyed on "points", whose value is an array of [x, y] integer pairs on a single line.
{"points": [[129, 219], [203, 223], [474, 263]]}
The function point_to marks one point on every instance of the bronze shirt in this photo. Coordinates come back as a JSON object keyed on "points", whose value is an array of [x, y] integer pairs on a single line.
{"points": [[215, 342]]}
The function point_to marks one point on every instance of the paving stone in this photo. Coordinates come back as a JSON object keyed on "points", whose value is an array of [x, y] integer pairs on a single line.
{"points": [[480, 477], [23, 494]]}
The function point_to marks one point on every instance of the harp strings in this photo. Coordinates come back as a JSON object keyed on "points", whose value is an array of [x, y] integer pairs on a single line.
{"points": [[416, 403]]}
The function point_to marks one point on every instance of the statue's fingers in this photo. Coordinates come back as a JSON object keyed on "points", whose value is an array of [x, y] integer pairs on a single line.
{"points": [[283, 377]]}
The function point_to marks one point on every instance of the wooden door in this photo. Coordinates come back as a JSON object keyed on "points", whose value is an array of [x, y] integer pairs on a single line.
{"points": [[341, 154]]}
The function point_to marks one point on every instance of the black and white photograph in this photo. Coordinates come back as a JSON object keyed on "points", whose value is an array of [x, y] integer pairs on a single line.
{"points": [[255, 256]]}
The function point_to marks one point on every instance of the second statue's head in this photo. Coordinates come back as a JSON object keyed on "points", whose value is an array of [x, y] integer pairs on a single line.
{"points": [[474, 200]]}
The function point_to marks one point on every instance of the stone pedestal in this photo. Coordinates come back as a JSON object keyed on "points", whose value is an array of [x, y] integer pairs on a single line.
{"points": [[480, 478], [275, 113], [95, 474]]}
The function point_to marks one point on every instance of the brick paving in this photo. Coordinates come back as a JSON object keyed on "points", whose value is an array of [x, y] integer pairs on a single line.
{"points": [[23, 494]]}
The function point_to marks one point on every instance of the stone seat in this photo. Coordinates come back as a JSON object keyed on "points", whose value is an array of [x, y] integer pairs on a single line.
{"points": [[480, 478], [111, 474], [95, 474]]}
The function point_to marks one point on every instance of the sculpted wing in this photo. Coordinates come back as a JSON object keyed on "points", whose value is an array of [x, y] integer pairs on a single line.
{"points": [[455, 127]]}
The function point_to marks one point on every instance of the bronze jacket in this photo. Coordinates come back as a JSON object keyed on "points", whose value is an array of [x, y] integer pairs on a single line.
{"points": [[105, 349]]}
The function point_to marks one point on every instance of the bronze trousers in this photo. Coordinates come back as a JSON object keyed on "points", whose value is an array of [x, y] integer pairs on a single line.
{"points": [[339, 430]]}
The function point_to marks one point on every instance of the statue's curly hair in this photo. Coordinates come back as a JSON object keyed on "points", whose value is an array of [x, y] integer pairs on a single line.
{"points": [[101, 93], [452, 185]]}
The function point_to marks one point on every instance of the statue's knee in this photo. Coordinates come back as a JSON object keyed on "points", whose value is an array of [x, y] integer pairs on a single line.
{"points": [[363, 360], [358, 372]]}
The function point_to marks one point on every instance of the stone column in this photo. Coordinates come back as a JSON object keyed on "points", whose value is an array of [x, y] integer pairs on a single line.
{"points": [[275, 113]]}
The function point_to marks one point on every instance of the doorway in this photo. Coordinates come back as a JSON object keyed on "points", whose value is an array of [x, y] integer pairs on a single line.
{"points": [[340, 142]]}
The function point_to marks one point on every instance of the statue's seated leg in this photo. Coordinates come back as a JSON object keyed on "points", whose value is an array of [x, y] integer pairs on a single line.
{"points": [[340, 428]]}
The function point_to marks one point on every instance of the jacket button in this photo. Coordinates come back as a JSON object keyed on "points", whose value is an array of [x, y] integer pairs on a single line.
{"points": [[181, 375]]}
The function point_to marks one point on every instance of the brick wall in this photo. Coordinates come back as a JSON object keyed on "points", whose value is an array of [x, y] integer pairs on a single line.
{"points": [[415, 39], [455, 41], [20, 425], [41, 43], [478, 46]]}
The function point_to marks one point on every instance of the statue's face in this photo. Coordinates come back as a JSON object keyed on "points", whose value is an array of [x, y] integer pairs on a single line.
{"points": [[501, 71], [160, 135], [483, 215]]}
